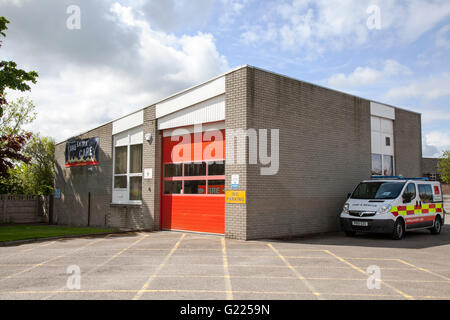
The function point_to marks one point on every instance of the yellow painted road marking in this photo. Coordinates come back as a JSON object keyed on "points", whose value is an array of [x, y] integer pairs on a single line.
{"points": [[296, 272], [150, 279], [362, 271], [105, 262], [40, 246], [52, 259], [423, 269], [210, 291], [226, 271]]}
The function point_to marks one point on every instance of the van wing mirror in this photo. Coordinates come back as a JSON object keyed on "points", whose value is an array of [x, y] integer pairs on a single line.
{"points": [[349, 195]]}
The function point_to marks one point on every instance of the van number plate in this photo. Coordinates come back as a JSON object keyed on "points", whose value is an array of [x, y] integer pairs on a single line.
{"points": [[360, 223]]}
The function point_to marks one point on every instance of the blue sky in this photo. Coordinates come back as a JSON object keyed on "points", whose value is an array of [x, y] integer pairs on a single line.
{"points": [[130, 53]]}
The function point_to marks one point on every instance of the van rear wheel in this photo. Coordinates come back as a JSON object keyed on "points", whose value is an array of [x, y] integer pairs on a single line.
{"points": [[399, 230], [437, 226]]}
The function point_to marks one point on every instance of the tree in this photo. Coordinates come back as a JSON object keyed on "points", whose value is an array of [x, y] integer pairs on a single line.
{"points": [[18, 114], [444, 167], [35, 177], [11, 145], [39, 174]]}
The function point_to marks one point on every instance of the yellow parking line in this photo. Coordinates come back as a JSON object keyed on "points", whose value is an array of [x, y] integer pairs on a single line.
{"points": [[150, 279], [296, 272], [39, 246], [193, 276], [423, 269], [380, 259], [362, 271], [210, 291], [226, 271], [52, 259], [105, 262]]}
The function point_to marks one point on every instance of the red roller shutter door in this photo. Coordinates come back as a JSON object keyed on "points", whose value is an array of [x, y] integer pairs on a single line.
{"points": [[203, 211]]}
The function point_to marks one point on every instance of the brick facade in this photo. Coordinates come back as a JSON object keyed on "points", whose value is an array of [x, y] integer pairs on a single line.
{"points": [[325, 150], [77, 182], [408, 143]]}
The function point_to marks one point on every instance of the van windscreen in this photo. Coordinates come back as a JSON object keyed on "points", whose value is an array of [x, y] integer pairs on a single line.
{"points": [[378, 190]]}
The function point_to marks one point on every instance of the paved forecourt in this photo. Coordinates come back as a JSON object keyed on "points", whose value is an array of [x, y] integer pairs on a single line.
{"points": [[173, 265]]}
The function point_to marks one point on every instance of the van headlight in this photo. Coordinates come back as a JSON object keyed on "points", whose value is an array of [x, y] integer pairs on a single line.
{"points": [[384, 209], [346, 208]]}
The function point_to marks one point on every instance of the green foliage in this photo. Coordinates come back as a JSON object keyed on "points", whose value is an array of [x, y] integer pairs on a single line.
{"points": [[19, 113], [36, 177], [3, 27], [444, 167], [11, 144]]}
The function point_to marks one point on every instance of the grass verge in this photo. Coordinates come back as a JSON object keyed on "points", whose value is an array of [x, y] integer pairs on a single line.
{"points": [[24, 232]]}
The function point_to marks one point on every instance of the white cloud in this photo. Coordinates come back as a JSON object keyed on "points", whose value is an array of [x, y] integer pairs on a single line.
{"points": [[365, 75], [316, 25], [135, 67], [438, 139], [434, 87], [232, 9]]}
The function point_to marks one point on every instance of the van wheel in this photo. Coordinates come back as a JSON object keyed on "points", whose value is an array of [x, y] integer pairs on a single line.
{"points": [[350, 233], [399, 230], [437, 226]]}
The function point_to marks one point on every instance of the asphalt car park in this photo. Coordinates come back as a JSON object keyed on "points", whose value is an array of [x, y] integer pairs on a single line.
{"points": [[173, 265]]}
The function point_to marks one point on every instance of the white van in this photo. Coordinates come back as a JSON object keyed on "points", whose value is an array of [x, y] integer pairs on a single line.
{"points": [[394, 205]]}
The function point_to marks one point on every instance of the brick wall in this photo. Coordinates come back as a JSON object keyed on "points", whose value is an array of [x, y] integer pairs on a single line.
{"points": [[75, 184], [408, 143], [152, 159], [237, 98], [324, 153]]}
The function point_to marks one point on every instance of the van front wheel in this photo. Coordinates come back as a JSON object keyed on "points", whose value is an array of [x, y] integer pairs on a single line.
{"points": [[399, 230]]}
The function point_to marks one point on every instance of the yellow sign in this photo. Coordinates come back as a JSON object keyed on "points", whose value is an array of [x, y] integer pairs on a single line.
{"points": [[235, 196]]}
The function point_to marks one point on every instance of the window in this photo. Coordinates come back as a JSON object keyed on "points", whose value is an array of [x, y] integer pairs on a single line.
{"points": [[376, 165], [378, 190], [128, 157], [388, 165], [204, 178], [195, 169], [216, 186], [173, 170], [382, 146], [216, 169], [382, 165], [173, 187], [194, 187], [410, 191], [388, 141], [425, 193]]}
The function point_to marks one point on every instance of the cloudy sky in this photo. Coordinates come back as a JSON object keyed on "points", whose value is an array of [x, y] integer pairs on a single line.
{"points": [[127, 54]]}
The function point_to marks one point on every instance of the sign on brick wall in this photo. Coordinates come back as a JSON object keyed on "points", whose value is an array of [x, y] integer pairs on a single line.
{"points": [[234, 196], [82, 152]]}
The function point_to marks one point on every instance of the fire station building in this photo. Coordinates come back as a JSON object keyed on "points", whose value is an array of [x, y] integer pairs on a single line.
{"points": [[249, 154]]}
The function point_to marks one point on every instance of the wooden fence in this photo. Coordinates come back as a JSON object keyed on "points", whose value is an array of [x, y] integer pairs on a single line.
{"points": [[24, 209]]}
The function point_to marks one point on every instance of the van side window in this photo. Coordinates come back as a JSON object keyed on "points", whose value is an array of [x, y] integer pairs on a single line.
{"points": [[410, 191], [425, 193]]}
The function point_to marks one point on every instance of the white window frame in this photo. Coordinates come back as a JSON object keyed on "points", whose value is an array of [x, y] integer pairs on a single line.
{"points": [[119, 192], [382, 134]]}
